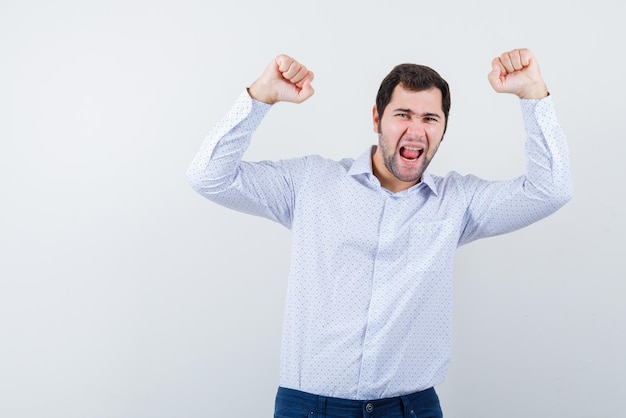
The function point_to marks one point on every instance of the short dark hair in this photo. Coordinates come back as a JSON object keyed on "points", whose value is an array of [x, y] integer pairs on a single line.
{"points": [[413, 77]]}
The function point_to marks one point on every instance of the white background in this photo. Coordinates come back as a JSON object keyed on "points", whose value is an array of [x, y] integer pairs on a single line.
{"points": [[124, 294]]}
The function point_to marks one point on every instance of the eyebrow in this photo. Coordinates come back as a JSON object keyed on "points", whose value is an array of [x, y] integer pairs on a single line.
{"points": [[427, 114]]}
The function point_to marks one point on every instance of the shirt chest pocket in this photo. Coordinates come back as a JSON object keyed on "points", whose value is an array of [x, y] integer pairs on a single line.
{"points": [[432, 245]]}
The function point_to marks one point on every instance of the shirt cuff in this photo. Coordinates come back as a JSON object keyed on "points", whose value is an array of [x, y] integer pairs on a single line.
{"points": [[538, 114]]}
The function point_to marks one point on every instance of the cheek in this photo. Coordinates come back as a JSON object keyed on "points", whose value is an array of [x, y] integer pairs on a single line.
{"points": [[434, 143], [392, 132], [432, 151]]}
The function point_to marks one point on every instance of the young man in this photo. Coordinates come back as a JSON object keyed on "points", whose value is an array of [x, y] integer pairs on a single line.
{"points": [[368, 311]]}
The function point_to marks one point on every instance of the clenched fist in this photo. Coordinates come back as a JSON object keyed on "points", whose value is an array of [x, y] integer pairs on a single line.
{"points": [[517, 72], [284, 80]]}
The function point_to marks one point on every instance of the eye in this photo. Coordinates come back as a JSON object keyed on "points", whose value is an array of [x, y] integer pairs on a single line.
{"points": [[402, 115]]}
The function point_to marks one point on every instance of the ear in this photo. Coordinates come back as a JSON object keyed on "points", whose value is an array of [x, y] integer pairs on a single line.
{"points": [[375, 120]]}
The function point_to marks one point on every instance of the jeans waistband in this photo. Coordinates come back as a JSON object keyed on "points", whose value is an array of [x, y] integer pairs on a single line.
{"points": [[394, 406]]}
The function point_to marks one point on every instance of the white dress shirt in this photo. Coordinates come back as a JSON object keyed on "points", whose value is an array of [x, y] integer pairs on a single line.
{"points": [[368, 307]]}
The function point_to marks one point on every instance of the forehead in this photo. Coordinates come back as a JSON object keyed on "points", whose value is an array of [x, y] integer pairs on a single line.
{"points": [[429, 100]]}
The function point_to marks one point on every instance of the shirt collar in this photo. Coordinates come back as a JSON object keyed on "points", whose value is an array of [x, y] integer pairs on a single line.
{"points": [[363, 165]]}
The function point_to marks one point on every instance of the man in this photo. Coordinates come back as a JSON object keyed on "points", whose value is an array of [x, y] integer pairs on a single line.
{"points": [[368, 310]]}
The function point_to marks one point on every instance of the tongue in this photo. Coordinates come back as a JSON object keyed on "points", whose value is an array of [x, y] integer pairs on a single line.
{"points": [[409, 154]]}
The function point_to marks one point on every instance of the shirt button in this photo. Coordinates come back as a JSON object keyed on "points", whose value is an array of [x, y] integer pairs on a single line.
{"points": [[369, 407]]}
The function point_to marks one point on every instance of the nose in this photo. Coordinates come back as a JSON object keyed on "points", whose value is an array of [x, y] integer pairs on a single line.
{"points": [[416, 128]]}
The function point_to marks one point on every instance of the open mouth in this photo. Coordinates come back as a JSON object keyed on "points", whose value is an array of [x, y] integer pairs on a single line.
{"points": [[411, 154]]}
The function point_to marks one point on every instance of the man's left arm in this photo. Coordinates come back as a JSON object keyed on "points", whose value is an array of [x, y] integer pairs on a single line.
{"points": [[504, 206]]}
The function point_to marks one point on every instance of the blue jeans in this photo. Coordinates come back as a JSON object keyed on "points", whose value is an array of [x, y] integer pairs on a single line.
{"points": [[292, 403]]}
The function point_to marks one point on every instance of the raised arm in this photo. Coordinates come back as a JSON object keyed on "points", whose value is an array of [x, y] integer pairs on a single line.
{"points": [[504, 206], [260, 188]]}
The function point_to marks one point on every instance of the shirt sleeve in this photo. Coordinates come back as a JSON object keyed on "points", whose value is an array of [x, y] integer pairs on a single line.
{"points": [[504, 206], [218, 173]]}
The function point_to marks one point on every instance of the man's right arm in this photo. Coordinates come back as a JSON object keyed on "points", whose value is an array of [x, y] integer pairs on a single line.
{"points": [[218, 172], [216, 164]]}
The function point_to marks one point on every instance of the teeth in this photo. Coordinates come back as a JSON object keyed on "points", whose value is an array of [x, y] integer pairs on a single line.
{"points": [[416, 151]]}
